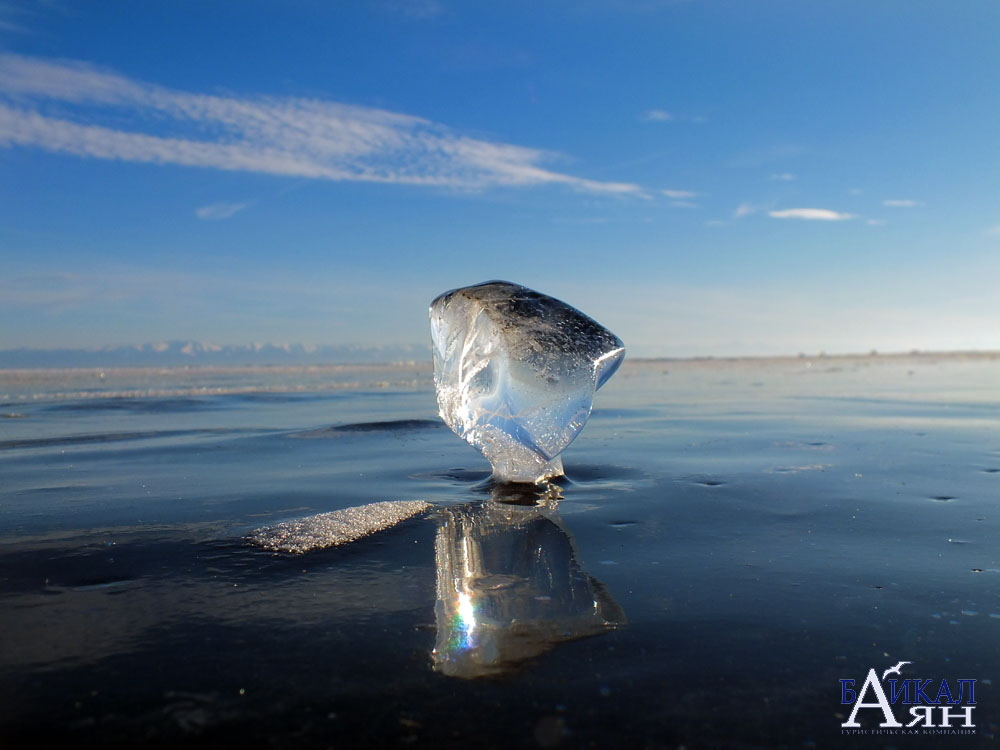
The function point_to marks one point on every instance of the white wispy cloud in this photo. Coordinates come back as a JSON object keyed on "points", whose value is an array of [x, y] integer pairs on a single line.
{"points": [[810, 214], [901, 203], [7, 13], [994, 230], [783, 177], [6, 25], [74, 108], [656, 115], [875, 222], [219, 210], [682, 198], [745, 209], [662, 115]]}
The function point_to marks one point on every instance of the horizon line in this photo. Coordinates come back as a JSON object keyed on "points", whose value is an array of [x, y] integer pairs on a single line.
{"points": [[701, 358]]}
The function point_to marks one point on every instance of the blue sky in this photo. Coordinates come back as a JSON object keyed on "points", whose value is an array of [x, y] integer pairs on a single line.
{"points": [[701, 177]]}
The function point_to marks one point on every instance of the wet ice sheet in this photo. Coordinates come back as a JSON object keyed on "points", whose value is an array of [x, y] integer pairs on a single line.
{"points": [[768, 527]]}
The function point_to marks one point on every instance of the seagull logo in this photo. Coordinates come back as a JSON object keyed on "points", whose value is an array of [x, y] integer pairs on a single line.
{"points": [[895, 669]]}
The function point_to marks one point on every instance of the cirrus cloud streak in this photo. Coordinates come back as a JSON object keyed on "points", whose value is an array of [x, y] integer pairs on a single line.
{"points": [[810, 214], [218, 211], [70, 107]]}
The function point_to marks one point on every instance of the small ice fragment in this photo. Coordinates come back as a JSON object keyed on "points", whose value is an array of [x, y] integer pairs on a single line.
{"points": [[516, 372], [335, 528]]}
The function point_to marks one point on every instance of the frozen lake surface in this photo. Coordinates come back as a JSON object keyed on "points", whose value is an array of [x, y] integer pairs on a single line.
{"points": [[731, 540]]}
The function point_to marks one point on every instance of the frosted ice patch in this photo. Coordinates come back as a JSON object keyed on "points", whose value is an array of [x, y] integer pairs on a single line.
{"points": [[516, 372], [335, 528]]}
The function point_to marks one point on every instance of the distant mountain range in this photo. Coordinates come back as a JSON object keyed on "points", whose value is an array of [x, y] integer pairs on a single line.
{"points": [[174, 353]]}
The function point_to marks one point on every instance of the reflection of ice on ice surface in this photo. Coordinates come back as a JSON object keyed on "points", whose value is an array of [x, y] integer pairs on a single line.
{"points": [[508, 584], [509, 588], [516, 372]]}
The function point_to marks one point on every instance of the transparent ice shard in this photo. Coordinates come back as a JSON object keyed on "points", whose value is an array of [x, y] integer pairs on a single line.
{"points": [[516, 372]]}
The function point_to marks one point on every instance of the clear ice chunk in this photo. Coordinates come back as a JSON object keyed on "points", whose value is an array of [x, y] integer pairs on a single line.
{"points": [[515, 373]]}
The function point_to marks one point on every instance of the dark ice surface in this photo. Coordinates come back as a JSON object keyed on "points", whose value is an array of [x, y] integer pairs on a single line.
{"points": [[752, 532]]}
